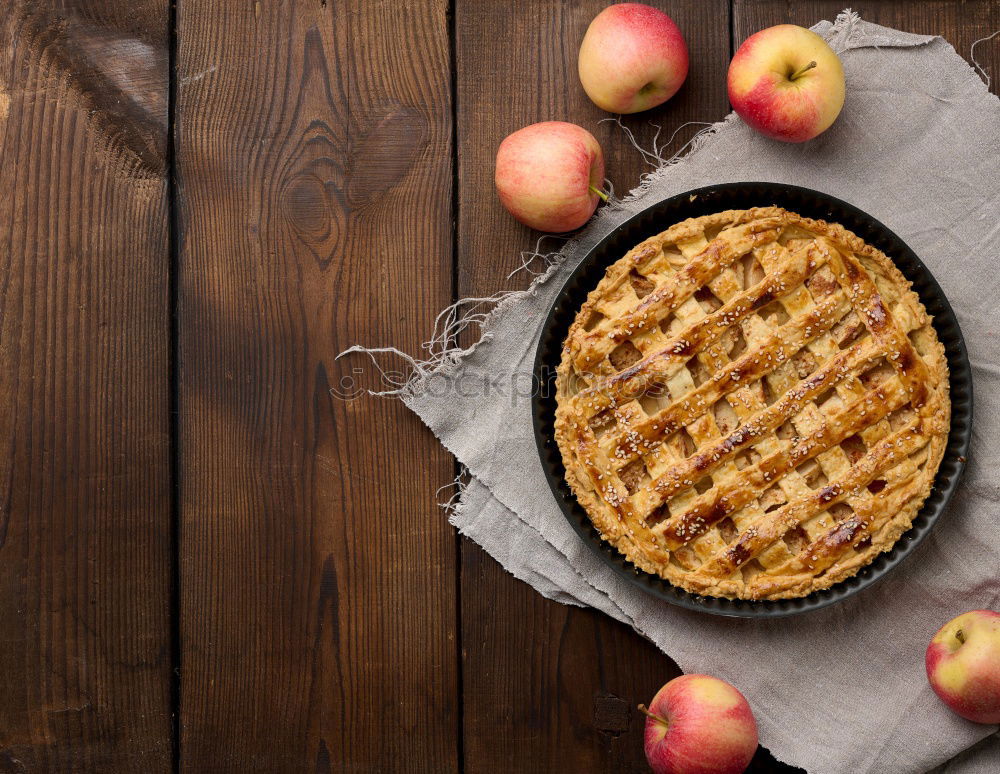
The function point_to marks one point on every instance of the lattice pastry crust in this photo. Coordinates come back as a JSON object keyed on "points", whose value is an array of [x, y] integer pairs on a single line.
{"points": [[752, 404]]}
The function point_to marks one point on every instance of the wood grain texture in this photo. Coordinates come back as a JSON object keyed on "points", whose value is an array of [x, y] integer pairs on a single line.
{"points": [[960, 23], [319, 621], [549, 687], [84, 348], [318, 591]]}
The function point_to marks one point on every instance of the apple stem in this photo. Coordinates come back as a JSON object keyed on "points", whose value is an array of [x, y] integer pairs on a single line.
{"points": [[960, 636], [653, 715], [801, 70], [604, 196]]}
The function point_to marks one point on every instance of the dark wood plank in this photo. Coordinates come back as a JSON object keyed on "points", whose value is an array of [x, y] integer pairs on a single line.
{"points": [[960, 23], [84, 388], [318, 574], [548, 687]]}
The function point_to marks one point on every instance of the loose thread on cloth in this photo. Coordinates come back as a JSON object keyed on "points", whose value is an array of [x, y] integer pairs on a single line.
{"points": [[972, 57], [460, 484], [844, 26], [654, 157], [442, 350], [528, 256]]}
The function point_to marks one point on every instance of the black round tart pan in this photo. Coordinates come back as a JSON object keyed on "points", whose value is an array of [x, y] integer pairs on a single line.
{"points": [[705, 201]]}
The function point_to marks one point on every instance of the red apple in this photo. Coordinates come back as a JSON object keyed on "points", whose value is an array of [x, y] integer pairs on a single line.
{"points": [[632, 58], [549, 175], [963, 665], [698, 724], [786, 83]]}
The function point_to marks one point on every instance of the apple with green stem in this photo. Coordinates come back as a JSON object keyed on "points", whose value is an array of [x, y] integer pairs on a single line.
{"points": [[633, 57], [963, 665], [549, 175], [698, 724], [787, 83]]}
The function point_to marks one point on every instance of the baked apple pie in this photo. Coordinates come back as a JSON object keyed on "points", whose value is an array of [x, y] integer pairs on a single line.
{"points": [[752, 404]]}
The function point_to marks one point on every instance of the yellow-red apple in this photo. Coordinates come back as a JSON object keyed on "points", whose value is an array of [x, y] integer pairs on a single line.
{"points": [[698, 724], [632, 58], [963, 665], [549, 175], [787, 83]]}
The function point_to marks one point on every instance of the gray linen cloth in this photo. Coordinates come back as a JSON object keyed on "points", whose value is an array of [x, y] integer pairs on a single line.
{"points": [[842, 689]]}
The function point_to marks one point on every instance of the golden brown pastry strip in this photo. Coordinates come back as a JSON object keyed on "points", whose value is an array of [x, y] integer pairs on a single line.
{"points": [[664, 363], [753, 365], [893, 341], [682, 528], [764, 422], [716, 256], [767, 530]]}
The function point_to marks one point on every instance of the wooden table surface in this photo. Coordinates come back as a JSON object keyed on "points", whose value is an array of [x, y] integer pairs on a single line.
{"points": [[207, 562]]}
